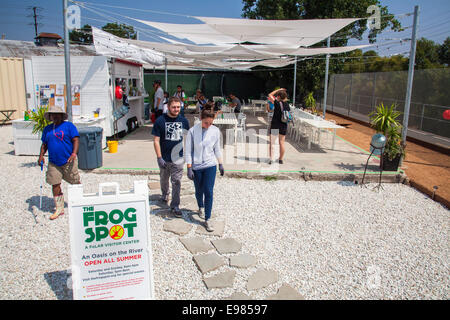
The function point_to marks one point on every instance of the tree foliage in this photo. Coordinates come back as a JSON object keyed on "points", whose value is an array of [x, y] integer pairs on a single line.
{"points": [[121, 30], [82, 36], [310, 72]]}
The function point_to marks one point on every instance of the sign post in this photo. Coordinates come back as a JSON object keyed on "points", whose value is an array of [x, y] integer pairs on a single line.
{"points": [[110, 243]]}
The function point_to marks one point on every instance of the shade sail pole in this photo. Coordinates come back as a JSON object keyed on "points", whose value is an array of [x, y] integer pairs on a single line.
{"points": [[295, 82], [325, 90], [412, 58], [165, 67], [67, 64]]}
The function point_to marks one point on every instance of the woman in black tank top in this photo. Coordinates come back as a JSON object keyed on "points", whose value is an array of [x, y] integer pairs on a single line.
{"points": [[279, 100]]}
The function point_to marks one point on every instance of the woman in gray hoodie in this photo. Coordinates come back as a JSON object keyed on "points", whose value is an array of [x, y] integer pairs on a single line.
{"points": [[202, 150]]}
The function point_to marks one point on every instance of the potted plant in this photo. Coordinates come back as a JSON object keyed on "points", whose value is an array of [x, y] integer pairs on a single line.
{"points": [[384, 120], [38, 120], [310, 103]]}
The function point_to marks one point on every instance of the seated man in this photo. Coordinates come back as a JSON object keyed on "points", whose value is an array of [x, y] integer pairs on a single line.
{"points": [[201, 102], [236, 103]]}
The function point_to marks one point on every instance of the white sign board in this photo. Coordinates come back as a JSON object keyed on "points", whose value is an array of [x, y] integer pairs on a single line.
{"points": [[110, 243]]}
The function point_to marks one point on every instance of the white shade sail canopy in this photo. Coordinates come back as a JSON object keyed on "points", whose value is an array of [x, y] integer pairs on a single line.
{"points": [[219, 31], [110, 45], [281, 40]]}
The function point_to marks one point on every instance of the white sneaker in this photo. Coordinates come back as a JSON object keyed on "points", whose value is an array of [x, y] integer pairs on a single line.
{"points": [[201, 213], [208, 226]]}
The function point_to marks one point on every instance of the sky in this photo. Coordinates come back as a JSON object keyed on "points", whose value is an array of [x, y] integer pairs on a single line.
{"points": [[16, 20]]}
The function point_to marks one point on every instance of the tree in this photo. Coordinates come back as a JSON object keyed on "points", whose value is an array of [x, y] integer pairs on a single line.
{"points": [[444, 52], [122, 30], [81, 36], [427, 54], [311, 71]]}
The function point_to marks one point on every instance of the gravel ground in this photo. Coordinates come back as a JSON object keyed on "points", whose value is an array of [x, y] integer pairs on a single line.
{"points": [[328, 240]]}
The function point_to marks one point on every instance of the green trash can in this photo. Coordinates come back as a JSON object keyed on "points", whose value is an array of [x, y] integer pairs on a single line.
{"points": [[90, 151]]}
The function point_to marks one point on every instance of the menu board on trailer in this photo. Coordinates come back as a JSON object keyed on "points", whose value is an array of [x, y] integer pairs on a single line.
{"points": [[55, 95]]}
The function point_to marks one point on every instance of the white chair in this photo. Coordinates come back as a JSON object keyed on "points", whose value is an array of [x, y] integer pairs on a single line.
{"points": [[241, 126]]}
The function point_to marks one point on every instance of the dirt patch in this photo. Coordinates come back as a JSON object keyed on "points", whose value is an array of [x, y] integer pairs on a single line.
{"points": [[424, 167]]}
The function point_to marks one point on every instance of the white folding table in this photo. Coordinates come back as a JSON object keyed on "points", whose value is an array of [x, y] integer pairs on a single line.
{"points": [[227, 119], [258, 104], [321, 124]]}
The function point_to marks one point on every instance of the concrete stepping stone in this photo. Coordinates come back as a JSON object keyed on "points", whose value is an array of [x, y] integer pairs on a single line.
{"points": [[239, 296], [219, 227], [228, 245], [208, 262], [261, 278], [196, 245], [177, 226], [286, 292], [242, 261], [187, 191], [189, 203], [221, 280], [154, 185]]}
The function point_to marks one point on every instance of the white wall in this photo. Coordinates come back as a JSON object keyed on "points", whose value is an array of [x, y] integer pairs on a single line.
{"points": [[91, 72]]}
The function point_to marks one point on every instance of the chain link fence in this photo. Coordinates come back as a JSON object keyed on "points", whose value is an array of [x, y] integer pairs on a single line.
{"points": [[360, 93]]}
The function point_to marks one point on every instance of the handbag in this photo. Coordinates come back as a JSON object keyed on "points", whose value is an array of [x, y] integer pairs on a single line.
{"points": [[285, 115]]}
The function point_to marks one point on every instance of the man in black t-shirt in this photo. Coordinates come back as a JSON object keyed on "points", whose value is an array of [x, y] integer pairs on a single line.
{"points": [[168, 132]]}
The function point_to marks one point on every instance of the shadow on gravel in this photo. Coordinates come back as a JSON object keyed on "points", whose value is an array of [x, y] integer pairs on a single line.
{"points": [[59, 282], [30, 165], [33, 204]]}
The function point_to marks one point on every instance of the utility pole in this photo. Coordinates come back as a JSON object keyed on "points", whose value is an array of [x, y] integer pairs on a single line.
{"points": [[67, 63], [35, 15], [35, 21], [412, 59]]}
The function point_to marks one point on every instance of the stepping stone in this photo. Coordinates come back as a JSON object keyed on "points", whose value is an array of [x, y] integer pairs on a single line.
{"points": [[239, 296], [261, 278], [186, 192], [177, 226], [219, 227], [196, 245], [221, 280], [242, 261], [154, 185], [228, 245], [189, 203], [286, 292], [208, 262]]}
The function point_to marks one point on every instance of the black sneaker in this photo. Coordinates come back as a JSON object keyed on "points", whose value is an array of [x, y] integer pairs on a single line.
{"points": [[177, 212], [280, 161]]}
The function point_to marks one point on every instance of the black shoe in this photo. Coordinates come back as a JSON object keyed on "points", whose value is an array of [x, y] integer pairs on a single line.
{"points": [[280, 161], [270, 162], [177, 212]]}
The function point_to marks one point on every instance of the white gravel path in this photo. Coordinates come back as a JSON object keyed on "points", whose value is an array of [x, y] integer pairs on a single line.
{"points": [[328, 240]]}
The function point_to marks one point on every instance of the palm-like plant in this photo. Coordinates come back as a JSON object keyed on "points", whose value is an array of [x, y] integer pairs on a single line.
{"points": [[38, 120], [310, 102], [384, 117], [384, 120]]}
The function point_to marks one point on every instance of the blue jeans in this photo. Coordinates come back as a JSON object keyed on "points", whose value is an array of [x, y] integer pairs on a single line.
{"points": [[204, 184]]}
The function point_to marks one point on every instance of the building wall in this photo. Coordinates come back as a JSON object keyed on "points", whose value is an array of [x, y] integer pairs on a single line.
{"points": [[90, 72], [12, 87]]}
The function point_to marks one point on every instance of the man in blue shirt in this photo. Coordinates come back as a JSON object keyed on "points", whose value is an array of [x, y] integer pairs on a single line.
{"points": [[169, 131], [61, 139]]}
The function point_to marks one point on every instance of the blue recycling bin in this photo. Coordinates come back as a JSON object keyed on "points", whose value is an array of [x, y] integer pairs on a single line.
{"points": [[90, 152]]}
